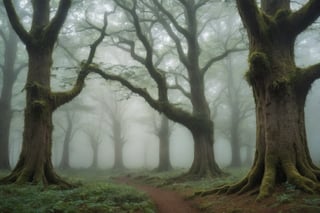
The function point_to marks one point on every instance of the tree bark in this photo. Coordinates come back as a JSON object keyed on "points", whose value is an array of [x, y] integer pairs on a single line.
{"points": [[204, 164]]}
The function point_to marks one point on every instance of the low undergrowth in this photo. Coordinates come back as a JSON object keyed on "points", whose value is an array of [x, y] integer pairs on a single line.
{"points": [[286, 198], [93, 195]]}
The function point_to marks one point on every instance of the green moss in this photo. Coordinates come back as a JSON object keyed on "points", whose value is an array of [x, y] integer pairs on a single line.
{"points": [[259, 66], [91, 197], [259, 59]]}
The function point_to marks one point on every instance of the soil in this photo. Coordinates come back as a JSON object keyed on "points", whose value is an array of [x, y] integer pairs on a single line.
{"points": [[166, 201], [282, 200]]}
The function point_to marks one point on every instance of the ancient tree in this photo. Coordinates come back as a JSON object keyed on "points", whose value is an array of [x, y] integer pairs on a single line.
{"points": [[35, 163], [280, 89], [179, 21]]}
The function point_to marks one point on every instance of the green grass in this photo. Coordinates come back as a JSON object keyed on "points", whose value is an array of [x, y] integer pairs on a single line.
{"points": [[165, 179], [94, 195]]}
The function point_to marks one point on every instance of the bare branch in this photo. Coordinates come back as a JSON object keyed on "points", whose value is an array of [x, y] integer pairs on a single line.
{"points": [[177, 86], [250, 16], [154, 73], [132, 52], [172, 19], [52, 31], [15, 22], [177, 41], [310, 74], [305, 16], [219, 57], [61, 98]]}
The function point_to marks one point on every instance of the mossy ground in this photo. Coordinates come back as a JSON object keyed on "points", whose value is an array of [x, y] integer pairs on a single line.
{"points": [[95, 193], [285, 198]]}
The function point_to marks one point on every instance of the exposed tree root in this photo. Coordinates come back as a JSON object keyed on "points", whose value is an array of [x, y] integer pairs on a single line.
{"points": [[27, 176], [266, 178]]}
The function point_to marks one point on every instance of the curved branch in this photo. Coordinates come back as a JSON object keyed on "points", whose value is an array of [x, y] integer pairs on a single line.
{"points": [[132, 52], [172, 18], [52, 31], [220, 57], [60, 98], [177, 41], [310, 74], [140, 91], [305, 16], [181, 89], [15, 22], [174, 113], [152, 70], [250, 16]]}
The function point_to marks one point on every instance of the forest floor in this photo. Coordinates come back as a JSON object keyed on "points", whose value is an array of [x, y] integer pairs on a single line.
{"points": [[284, 199], [166, 201], [146, 191]]}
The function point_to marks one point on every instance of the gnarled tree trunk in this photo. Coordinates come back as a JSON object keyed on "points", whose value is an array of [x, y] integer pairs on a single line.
{"points": [[280, 90], [35, 164], [204, 164]]}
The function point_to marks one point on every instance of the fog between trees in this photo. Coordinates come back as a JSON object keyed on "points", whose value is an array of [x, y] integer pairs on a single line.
{"points": [[186, 59]]}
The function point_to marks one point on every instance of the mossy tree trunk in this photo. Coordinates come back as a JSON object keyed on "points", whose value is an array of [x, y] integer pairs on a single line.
{"points": [[34, 164], [9, 77], [280, 89]]}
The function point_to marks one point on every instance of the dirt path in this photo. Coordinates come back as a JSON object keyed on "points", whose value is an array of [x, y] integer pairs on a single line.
{"points": [[166, 201]]}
